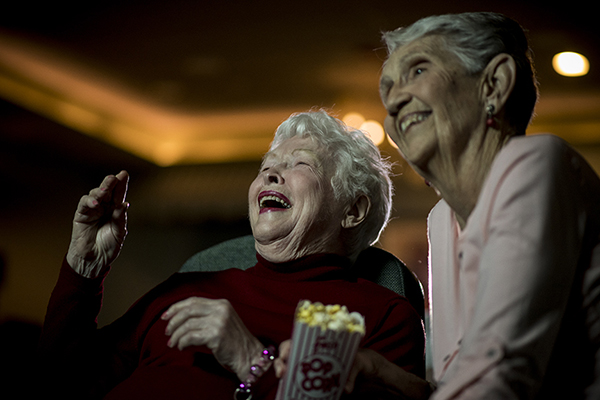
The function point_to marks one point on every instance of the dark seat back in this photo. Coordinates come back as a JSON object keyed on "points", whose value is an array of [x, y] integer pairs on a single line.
{"points": [[374, 264]]}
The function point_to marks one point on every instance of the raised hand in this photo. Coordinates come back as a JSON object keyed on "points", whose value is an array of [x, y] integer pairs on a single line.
{"points": [[99, 227], [198, 321]]}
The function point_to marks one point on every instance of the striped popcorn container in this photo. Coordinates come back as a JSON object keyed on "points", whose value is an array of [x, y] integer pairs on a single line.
{"points": [[324, 342]]}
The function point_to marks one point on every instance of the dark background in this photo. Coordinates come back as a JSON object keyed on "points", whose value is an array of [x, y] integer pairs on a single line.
{"points": [[220, 58]]}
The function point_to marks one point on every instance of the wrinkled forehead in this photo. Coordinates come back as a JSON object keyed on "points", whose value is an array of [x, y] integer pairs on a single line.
{"points": [[433, 48], [430, 45], [295, 146], [279, 153]]}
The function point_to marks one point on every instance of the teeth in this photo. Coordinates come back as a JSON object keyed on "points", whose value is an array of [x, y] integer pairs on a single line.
{"points": [[412, 119], [274, 198]]}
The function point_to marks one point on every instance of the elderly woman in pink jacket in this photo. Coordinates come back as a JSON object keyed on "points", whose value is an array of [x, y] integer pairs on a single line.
{"points": [[514, 241]]}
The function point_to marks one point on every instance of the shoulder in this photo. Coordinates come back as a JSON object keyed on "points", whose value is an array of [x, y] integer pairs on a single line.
{"points": [[542, 150], [537, 141], [440, 222], [535, 181], [531, 163], [440, 211]]}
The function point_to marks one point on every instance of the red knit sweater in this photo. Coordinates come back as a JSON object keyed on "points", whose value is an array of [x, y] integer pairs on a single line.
{"points": [[130, 357]]}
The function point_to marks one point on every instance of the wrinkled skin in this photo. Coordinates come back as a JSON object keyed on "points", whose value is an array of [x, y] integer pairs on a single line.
{"points": [[99, 227]]}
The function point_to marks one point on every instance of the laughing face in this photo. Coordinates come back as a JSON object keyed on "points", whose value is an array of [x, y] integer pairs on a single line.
{"points": [[291, 203], [432, 103]]}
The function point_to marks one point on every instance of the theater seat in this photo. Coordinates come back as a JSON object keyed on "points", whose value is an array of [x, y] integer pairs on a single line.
{"points": [[373, 263]]}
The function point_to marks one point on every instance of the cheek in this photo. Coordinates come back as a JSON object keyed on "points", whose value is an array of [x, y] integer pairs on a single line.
{"points": [[253, 191], [390, 128]]}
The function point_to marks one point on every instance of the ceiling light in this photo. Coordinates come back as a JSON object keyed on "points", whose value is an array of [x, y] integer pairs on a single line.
{"points": [[570, 64]]}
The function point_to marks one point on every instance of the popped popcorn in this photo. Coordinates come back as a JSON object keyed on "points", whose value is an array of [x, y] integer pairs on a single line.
{"points": [[332, 317]]}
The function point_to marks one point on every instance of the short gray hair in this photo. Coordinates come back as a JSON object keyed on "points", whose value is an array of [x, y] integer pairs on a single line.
{"points": [[475, 38], [359, 168]]}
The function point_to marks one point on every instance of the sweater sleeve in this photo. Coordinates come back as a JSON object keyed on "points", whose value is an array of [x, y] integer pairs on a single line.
{"points": [[76, 357]]}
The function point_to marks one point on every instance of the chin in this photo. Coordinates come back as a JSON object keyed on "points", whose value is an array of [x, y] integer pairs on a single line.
{"points": [[266, 234]]}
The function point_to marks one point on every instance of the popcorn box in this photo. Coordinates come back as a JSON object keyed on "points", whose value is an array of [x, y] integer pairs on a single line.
{"points": [[324, 342]]}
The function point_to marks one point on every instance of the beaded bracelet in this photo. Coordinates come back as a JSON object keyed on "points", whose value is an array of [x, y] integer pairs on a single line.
{"points": [[244, 391]]}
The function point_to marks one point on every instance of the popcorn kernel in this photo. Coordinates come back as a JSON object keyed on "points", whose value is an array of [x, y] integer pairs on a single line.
{"points": [[332, 317]]}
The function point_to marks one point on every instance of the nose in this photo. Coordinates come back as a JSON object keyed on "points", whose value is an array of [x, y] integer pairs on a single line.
{"points": [[273, 175], [396, 99]]}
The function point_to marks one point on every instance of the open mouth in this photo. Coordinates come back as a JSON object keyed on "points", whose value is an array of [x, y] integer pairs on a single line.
{"points": [[413, 119], [273, 201]]}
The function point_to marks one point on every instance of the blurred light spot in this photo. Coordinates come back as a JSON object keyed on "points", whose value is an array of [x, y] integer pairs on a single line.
{"points": [[354, 120], [371, 127], [392, 142], [167, 153], [375, 131], [570, 64]]}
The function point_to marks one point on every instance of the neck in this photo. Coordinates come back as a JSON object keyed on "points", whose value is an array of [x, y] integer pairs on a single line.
{"points": [[286, 249], [459, 180]]}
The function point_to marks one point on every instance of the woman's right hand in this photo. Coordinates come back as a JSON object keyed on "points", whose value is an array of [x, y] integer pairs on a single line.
{"points": [[99, 227], [373, 374], [281, 362]]}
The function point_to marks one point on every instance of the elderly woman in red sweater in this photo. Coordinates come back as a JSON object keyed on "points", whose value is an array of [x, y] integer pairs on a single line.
{"points": [[321, 196]]}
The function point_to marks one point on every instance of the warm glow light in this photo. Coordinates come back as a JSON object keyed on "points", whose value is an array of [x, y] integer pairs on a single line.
{"points": [[570, 64], [94, 104], [371, 127], [392, 142], [354, 120], [375, 131], [167, 153]]}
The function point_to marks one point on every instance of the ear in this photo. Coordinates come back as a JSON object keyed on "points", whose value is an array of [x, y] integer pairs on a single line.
{"points": [[357, 212], [499, 80]]}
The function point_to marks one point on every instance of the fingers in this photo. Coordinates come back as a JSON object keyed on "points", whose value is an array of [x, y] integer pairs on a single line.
{"points": [[193, 332], [364, 365], [280, 363], [349, 386], [180, 311], [87, 205], [120, 188], [112, 188], [194, 321]]}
